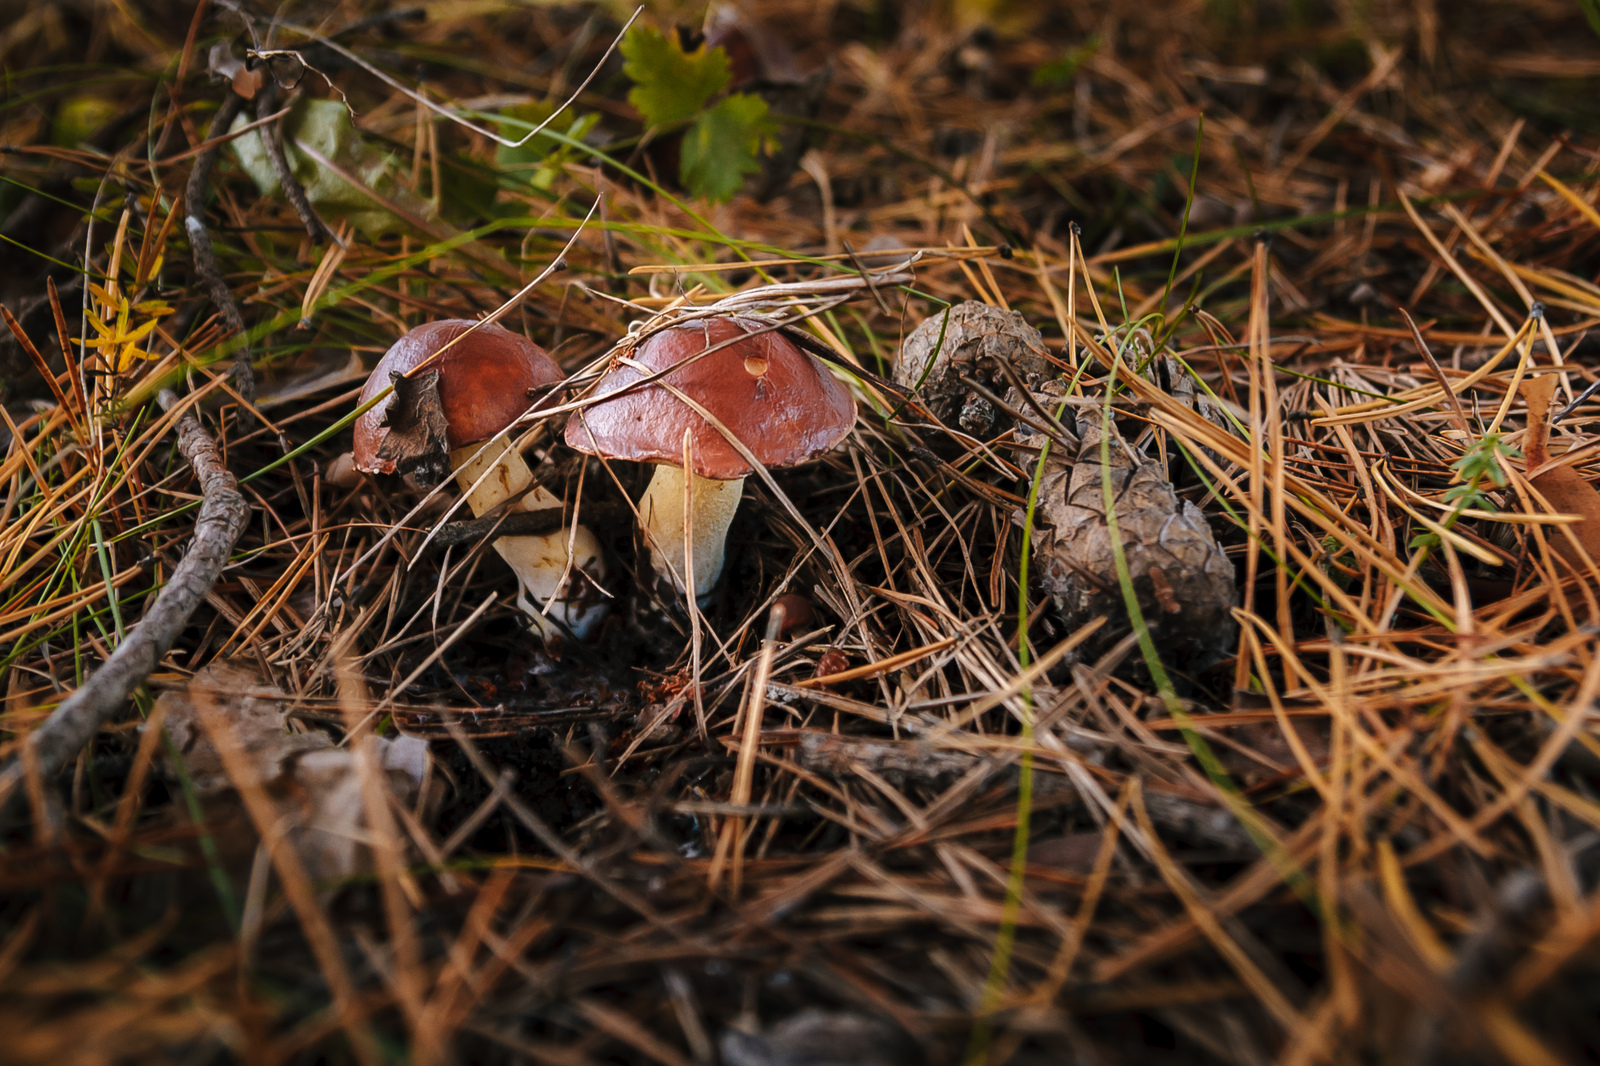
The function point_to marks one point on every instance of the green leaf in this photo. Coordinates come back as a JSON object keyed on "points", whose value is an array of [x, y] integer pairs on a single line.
{"points": [[670, 85], [1423, 540], [1483, 458], [1591, 11], [538, 161], [324, 126], [1467, 496], [724, 145], [1063, 71]]}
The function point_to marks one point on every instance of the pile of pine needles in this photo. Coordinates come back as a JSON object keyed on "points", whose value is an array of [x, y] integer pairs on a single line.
{"points": [[1371, 832]]}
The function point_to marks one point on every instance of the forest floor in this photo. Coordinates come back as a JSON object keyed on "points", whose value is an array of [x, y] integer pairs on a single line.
{"points": [[1312, 285]]}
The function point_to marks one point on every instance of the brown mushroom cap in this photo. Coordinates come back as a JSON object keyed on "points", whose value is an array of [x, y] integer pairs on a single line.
{"points": [[485, 383], [775, 397]]}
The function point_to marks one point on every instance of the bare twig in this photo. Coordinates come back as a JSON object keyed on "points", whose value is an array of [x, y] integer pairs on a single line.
{"points": [[205, 260], [272, 141]]}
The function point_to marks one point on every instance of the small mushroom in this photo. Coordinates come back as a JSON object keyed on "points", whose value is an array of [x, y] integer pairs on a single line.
{"points": [[774, 398], [341, 472], [452, 415]]}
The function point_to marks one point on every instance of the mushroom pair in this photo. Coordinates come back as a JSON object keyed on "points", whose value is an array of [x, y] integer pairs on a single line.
{"points": [[732, 393], [455, 411], [735, 392]]}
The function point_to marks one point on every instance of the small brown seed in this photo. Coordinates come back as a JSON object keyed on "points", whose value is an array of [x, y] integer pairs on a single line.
{"points": [[797, 612], [833, 661]]}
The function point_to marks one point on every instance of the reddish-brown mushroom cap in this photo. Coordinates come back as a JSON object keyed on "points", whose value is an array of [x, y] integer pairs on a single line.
{"points": [[485, 383], [773, 396]]}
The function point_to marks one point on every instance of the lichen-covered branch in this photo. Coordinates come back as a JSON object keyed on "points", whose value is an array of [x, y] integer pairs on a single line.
{"points": [[223, 513]]}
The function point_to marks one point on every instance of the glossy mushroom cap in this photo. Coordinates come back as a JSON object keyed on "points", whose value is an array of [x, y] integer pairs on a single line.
{"points": [[775, 397], [485, 383]]}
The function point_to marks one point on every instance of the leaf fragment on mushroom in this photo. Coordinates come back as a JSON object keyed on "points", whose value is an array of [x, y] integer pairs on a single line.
{"points": [[416, 442]]}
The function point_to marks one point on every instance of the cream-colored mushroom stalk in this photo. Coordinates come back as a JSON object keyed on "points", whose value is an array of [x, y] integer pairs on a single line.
{"points": [[552, 590], [686, 519]]}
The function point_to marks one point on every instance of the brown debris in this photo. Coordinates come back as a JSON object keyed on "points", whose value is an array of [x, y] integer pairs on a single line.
{"points": [[1407, 726], [820, 1038], [259, 714], [1566, 490], [315, 780]]}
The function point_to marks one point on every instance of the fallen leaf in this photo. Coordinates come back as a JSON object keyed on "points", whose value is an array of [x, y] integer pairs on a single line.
{"points": [[259, 714], [304, 772], [1564, 488], [324, 126]]}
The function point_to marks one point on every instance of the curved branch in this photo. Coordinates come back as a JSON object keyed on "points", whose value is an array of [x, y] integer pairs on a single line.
{"points": [[223, 513], [272, 141]]}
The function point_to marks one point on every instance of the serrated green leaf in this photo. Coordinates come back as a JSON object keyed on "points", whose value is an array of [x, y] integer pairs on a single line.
{"points": [[724, 145], [669, 84]]}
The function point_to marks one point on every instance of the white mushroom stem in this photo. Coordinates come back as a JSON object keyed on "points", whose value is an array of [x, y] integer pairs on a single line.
{"points": [[698, 513], [551, 590]]}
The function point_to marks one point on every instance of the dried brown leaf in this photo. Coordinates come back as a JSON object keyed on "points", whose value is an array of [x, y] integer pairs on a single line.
{"points": [[1561, 485], [318, 779], [417, 441]]}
